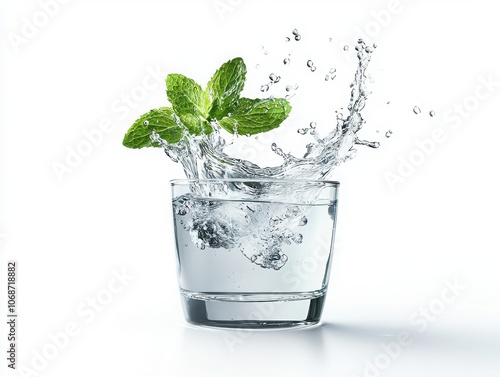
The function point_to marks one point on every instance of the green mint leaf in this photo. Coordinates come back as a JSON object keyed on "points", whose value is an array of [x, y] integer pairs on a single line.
{"points": [[195, 124], [162, 121], [253, 116], [186, 96], [225, 86]]}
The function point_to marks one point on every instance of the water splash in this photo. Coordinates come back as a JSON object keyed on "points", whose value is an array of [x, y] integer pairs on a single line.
{"points": [[204, 157]]}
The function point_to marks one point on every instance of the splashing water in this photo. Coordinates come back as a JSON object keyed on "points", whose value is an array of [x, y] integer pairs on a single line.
{"points": [[203, 157]]}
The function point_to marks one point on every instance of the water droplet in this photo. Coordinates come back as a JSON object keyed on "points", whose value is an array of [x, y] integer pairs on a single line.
{"points": [[287, 39], [346, 48], [264, 88], [312, 124], [432, 113], [274, 79], [303, 221], [286, 61], [146, 123], [416, 110], [310, 63], [288, 88], [297, 38], [388, 134]]}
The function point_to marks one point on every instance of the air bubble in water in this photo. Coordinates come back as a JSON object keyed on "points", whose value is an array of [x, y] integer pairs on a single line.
{"points": [[346, 48], [312, 124], [273, 147], [302, 131], [432, 113], [303, 221], [295, 32], [310, 63], [417, 110], [388, 134], [297, 38], [287, 39], [298, 238], [313, 68], [257, 66], [286, 61], [146, 123], [327, 78], [264, 88], [288, 88]]}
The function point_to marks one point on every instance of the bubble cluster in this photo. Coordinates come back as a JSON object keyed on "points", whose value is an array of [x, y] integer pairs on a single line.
{"points": [[262, 228]]}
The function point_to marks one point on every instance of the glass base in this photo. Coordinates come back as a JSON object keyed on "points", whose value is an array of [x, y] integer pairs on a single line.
{"points": [[253, 311]]}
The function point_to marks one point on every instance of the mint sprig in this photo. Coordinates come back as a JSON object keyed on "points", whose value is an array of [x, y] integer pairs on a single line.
{"points": [[194, 110]]}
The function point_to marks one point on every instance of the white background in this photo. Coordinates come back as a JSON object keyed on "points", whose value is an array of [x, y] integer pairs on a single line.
{"points": [[396, 246]]}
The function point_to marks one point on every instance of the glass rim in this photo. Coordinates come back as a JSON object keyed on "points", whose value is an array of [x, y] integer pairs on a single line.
{"points": [[186, 181]]}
